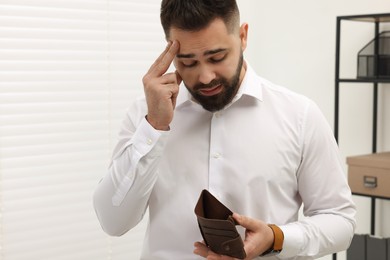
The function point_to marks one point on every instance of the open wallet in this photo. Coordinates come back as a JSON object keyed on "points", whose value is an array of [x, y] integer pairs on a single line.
{"points": [[218, 227]]}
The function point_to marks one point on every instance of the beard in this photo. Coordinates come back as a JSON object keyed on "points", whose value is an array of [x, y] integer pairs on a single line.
{"points": [[220, 100]]}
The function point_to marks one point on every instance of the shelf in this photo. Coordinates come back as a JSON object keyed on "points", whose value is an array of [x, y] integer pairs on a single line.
{"points": [[376, 19], [371, 196], [365, 80], [381, 18]]}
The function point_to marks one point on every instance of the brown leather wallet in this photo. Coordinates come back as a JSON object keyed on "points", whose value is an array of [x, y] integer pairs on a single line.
{"points": [[218, 227]]}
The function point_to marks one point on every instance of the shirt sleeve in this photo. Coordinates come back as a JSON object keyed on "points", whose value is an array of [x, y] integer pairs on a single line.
{"points": [[121, 198], [329, 213]]}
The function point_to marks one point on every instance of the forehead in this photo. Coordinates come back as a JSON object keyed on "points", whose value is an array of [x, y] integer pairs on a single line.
{"points": [[214, 36]]}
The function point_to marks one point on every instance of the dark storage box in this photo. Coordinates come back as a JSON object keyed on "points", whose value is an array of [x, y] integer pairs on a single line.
{"points": [[368, 247], [388, 249], [376, 248], [374, 58], [357, 249]]}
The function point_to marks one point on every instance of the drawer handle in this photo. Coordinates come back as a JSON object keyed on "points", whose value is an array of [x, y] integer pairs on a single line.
{"points": [[370, 182]]}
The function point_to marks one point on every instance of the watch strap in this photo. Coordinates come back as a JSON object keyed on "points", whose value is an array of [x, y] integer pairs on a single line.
{"points": [[278, 241]]}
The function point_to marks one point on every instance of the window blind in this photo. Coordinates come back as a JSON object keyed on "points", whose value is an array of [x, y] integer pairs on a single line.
{"points": [[68, 71]]}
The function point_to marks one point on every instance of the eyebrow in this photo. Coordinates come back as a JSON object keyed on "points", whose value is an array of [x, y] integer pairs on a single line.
{"points": [[206, 53]]}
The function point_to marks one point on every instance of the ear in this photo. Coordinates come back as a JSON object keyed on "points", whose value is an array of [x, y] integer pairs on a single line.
{"points": [[244, 35]]}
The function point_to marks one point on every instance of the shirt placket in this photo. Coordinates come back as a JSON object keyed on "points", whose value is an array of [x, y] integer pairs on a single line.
{"points": [[216, 155]]}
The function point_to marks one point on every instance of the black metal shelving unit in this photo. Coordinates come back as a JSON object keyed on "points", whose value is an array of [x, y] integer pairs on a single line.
{"points": [[376, 20]]}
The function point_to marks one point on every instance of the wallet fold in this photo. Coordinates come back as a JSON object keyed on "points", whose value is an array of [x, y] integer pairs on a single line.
{"points": [[217, 226]]}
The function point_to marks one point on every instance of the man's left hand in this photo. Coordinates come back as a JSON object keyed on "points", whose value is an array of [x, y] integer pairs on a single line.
{"points": [[258, 239]]}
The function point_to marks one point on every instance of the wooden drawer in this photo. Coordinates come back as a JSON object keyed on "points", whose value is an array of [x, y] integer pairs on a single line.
{"points": [[370, 174]]}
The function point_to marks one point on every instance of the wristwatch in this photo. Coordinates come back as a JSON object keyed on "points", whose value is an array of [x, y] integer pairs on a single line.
{"points": [[278, 241]]}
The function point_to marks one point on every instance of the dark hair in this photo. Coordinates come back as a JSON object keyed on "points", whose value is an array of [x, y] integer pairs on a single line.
{"points": [[194, 15]]}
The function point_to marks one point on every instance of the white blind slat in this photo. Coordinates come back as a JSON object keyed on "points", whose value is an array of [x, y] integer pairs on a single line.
{"points": [[68, 71]]}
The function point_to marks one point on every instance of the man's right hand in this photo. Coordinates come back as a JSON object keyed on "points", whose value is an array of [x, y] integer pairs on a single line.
{"points": [[161, 89]]}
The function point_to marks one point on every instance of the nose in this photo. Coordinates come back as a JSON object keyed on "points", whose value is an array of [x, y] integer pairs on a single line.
{"points": [[206, 75]]}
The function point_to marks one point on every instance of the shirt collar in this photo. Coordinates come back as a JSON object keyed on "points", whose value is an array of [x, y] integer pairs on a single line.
{"points": [[250, 86]]}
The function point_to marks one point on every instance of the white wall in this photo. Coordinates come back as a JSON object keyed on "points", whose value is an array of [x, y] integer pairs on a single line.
{"points": [[292, 43]]}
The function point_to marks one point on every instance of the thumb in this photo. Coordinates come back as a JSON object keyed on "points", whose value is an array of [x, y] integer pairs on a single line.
{"points": [[178, 78], [176, 93], [246, 222]]}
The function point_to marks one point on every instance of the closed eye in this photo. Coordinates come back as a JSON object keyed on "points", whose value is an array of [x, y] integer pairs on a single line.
{"points": [[189, 64], [218, 58]]}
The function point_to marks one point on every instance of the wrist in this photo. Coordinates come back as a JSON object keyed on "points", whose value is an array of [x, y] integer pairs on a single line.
{"points": [[277, 244], [156, 125]]}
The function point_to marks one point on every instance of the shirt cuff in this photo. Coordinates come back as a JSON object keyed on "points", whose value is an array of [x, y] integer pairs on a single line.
{"points": [[146, 141], [293, 240], [146, 137]]}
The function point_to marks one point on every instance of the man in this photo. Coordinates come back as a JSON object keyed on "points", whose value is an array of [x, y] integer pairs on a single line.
{"points": [[259, 148]]}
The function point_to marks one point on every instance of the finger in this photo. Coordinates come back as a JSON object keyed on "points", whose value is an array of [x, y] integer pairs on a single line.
{"points": [[246, 222], [201, 249], [170, 78], [161, 56], [163, 62], [214, 256]]}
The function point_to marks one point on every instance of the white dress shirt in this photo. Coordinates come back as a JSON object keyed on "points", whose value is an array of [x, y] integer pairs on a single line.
{"points": [[264, 155]]}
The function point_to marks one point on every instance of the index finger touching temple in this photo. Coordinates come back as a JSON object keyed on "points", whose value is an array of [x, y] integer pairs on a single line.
{"points": [[163, 62]]}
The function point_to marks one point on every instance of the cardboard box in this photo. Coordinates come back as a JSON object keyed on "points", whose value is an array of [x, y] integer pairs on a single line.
{"points": [[370, 174]]}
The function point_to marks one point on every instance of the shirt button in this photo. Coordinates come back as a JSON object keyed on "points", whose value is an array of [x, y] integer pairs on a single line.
{"points": [[217, 115], [217, 155], [149, 141]]}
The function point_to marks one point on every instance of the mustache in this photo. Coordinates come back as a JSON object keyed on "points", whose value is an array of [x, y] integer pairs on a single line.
{"points": [[213, 83]]}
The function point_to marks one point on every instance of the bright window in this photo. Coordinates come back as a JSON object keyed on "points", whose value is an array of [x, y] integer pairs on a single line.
{"points": [[68, 71]]}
